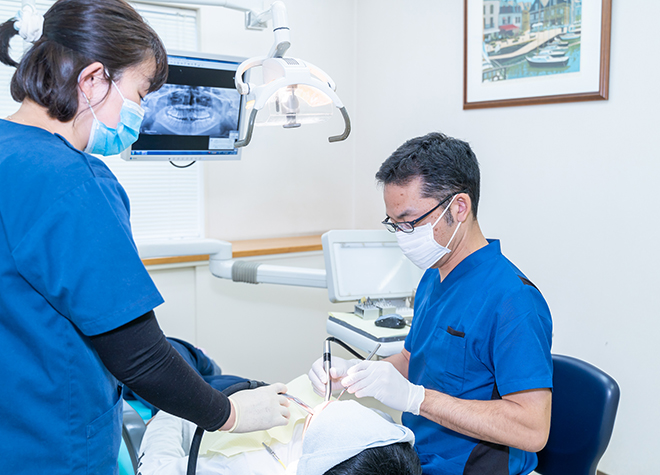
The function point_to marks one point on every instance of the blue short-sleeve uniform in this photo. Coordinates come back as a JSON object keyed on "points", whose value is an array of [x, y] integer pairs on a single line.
{"points": [[483, 332], [69, 269]]}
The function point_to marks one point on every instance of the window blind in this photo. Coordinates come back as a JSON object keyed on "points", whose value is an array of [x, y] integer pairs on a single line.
{"points": [[166, 202]]}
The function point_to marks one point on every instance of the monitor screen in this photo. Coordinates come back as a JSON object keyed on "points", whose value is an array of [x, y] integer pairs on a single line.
{"points": [[196, 115]]}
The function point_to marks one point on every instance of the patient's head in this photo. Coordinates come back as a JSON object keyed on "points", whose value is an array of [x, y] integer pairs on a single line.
{"points": [[393, 459], [347, 438]]}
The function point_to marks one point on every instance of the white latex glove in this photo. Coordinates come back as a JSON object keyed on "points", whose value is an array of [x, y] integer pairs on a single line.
{"points": [[338, 370], [260, 409], [381, 380]]}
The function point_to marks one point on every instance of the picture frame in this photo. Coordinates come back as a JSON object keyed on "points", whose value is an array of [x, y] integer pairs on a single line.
{"points": [[529, 52]]}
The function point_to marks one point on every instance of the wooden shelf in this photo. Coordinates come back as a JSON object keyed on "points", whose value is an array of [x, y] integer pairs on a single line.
{"points": [[264, 247], [251, 247], [157, 261]]}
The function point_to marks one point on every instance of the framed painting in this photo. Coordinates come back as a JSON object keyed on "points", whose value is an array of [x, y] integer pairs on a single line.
{"points": [[525, 52]]}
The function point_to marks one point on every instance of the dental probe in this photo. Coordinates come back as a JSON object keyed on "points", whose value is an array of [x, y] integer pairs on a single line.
{"points": [[298, 401], [371, 355]]}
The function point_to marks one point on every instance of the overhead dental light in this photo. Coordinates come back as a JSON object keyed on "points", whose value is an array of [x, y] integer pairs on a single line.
{"points": [[294, 92]]}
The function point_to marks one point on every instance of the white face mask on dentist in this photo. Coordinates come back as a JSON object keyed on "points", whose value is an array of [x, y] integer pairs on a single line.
{"points": [[420, 245]]}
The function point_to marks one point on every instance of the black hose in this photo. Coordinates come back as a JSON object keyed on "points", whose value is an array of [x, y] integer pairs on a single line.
{"points": [[345, 346], [194, 451]]}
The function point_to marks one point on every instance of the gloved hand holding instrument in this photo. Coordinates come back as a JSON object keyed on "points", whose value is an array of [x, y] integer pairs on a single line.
{"points": [[381, 380], [261, 408], [257, 406], [335, 366]]}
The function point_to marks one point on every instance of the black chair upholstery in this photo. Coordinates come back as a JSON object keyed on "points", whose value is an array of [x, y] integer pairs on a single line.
{"points": [[584, 405]]}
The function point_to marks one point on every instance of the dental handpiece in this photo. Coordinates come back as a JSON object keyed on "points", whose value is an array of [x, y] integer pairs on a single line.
{"points": [[326, 367]]}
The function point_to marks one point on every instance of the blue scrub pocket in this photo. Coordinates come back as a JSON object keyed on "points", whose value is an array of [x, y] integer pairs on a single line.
{"points": [[449, 361], [103, 440]]}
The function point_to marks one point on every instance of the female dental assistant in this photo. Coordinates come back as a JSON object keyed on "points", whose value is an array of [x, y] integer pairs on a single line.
{"points": [[76, 303]]}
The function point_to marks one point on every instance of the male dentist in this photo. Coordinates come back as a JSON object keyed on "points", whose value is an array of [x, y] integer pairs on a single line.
{"points": [[474, 378]]}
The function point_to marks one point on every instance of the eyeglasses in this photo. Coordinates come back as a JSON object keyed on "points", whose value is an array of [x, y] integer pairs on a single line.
{"points": [[409, 226]]}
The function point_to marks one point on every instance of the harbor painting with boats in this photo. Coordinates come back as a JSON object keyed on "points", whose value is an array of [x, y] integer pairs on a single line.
{"points": [[530, 38]]}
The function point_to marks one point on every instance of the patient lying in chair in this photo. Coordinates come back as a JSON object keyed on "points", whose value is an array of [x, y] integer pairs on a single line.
{"points": [[340, 438]]}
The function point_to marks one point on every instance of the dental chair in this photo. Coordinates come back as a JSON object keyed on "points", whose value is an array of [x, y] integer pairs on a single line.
{"points": [[132, 430], [584, 404]]}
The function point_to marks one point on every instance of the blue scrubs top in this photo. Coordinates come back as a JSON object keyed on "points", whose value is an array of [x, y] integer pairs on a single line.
{"points": [[483, 332], [69, 269]]}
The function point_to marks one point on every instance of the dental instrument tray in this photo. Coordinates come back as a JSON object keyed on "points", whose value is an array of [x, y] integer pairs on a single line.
{"points": [[370, 310]]}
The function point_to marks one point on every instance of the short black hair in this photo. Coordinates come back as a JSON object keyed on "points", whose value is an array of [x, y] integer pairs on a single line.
{"points": [[394, 459], [77, 33], [446, 166]]}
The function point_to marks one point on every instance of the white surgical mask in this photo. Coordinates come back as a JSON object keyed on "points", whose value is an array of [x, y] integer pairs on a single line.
{"points": [[420, 245]]}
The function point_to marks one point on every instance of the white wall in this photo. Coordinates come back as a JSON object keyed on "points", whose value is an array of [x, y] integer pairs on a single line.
{"points": [[569, 188]]}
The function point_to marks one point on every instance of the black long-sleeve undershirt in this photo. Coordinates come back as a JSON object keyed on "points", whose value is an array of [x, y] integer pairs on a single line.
{"points": [[139, 355]]}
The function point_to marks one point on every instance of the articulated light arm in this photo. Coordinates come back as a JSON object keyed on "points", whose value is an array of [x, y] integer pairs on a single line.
{"points": [[255, 16], [282, 41]]}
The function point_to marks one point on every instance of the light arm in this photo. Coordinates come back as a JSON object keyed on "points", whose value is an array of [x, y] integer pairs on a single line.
{"points": [[256, 18], [253, 7], [280, 30]]}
